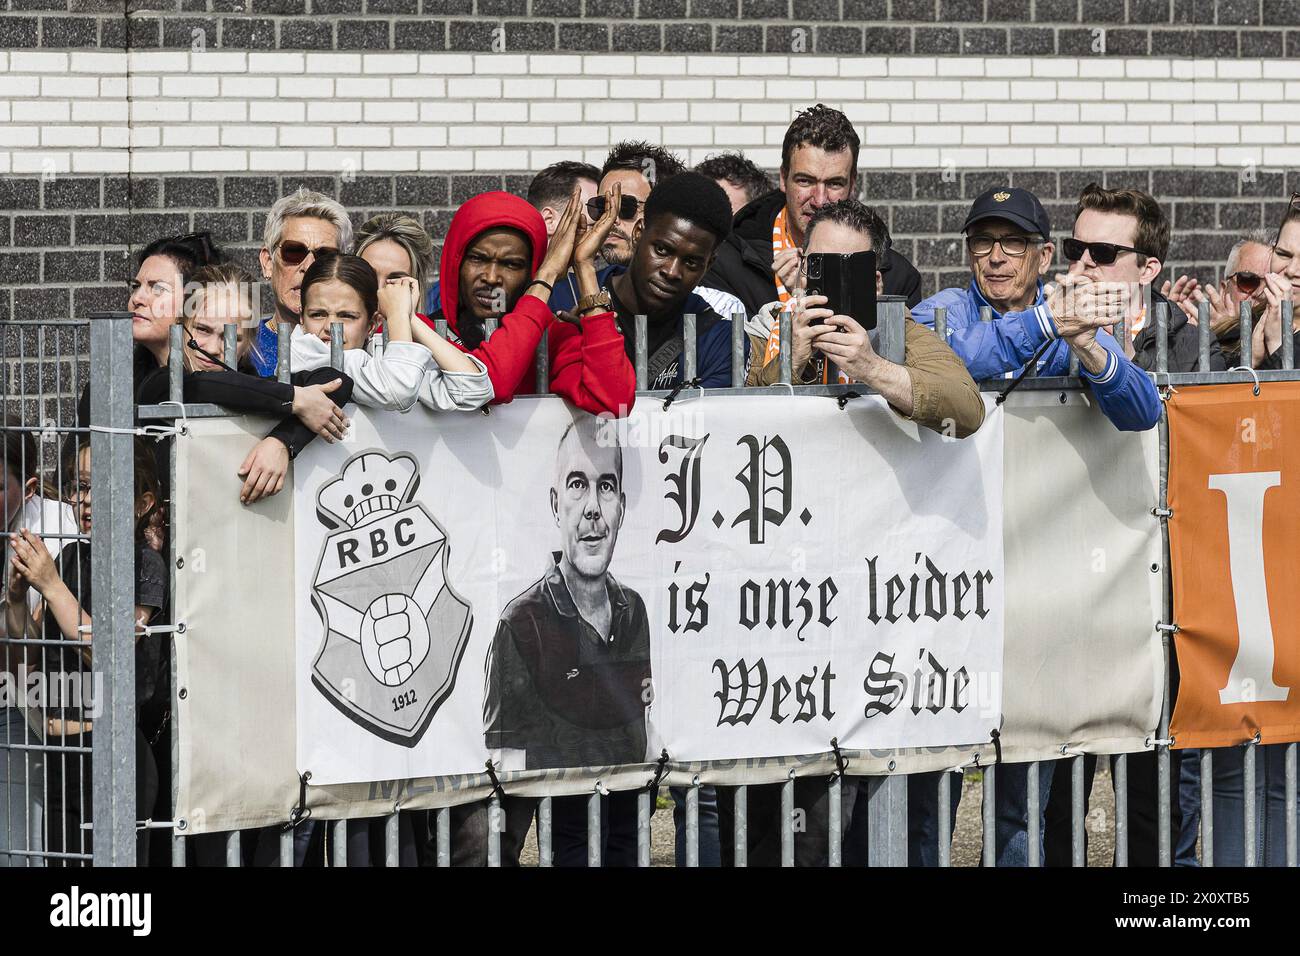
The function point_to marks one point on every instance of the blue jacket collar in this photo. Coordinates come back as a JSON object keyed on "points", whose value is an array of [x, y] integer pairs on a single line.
{"points": [[980, 301]]}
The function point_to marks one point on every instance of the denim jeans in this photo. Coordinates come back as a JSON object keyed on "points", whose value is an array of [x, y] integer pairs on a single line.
{"points": [[710, 848], [1189, 798], [1270, 806], [1010, 803], [21, 785]]}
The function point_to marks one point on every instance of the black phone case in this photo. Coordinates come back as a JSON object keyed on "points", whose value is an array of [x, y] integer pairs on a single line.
{"points": [[847, 281]]}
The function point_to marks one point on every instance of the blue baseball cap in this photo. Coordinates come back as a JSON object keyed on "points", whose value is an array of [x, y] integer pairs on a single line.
{"points": [[1018, 206]]}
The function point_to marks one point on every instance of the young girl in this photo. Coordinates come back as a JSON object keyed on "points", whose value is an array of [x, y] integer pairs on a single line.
{"points": [[416, 365], [65, 587]]}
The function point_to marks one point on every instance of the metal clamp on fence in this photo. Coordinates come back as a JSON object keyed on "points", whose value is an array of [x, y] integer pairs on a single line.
{"points": [[1162, 512], [1168, 628], [661, 767], [680, 387], [497, 790], [841, 764], [301, 812], [996, 737], [1158, 742], [846, 398]]}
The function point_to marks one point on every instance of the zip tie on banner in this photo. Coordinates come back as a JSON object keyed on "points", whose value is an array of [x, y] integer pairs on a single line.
{"points": [[152, 824], [156, 432], [847, 397], [996, 737], [680, 387], [661, 767], [1170, 628], [1158, 742], [600, 788], [840, 763], [179, 627], [1243, 368], [1162, 512], [497, 792], [301, 812]]}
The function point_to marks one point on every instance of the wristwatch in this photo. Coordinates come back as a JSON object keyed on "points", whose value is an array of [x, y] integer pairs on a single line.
{"points": [[589, 302]]}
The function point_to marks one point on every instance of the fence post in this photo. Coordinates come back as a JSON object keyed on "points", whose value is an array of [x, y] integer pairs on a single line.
{"points": [[112, 538], [891, 312], [887, 820]]}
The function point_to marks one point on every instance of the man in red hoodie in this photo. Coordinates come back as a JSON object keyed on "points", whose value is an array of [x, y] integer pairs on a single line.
{"points": [[496, 263]]}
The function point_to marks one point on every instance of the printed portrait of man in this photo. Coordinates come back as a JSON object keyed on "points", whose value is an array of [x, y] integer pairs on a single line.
{"points": [[568, 677]]}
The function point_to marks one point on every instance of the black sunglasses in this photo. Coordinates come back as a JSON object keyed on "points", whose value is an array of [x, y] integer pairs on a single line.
{"points": [[1247, 282], [627, 207], [1103, 253], [294, 252]]}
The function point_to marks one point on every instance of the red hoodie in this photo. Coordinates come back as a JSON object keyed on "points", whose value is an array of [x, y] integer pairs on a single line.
{"points": [[590, 369]]}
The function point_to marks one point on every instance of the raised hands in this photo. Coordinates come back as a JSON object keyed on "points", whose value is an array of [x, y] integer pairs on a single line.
{"points": [[398, 301]]}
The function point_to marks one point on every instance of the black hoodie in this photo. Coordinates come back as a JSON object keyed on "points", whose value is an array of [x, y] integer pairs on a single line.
{"points": [[744, 263]]}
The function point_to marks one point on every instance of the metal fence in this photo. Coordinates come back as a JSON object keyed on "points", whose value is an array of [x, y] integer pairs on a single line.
{"points": [[111, 430]]}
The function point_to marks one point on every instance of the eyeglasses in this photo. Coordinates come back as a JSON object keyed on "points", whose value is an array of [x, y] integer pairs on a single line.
{"points": [[78, 490], [293, 253], [981, 244], [1102, 253], [627, 207], [1247, 282]]}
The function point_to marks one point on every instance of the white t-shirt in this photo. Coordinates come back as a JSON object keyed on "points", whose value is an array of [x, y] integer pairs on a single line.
{"points": [[45, 517]]}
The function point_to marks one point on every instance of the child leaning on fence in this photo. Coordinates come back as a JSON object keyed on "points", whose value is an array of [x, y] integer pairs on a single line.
{"points": [[416, 364], [64, 584]]}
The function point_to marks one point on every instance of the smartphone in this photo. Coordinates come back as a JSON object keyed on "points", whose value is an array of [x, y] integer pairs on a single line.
{"points": [[847, 280]]}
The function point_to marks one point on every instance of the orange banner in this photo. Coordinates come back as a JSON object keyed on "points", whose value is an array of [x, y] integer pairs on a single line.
{"points": [[1234, 489]]}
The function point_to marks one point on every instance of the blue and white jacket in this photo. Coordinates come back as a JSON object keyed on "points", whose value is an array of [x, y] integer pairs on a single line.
{"points": [[1126, 394]]}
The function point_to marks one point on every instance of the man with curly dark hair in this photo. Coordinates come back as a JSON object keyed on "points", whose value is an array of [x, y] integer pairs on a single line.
{"points": [[819, 165], [637, 166], [739, 177]]}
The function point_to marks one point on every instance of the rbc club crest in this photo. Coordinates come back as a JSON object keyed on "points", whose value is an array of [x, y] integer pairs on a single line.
{"points": [[395, 629]]}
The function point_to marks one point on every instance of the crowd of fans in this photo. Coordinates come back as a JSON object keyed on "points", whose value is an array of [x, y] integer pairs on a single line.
{"points": [[586, 252]]}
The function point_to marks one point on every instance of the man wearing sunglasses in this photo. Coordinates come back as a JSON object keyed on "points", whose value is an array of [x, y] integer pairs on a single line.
{"points": [[1008, 241], [297, 228]]}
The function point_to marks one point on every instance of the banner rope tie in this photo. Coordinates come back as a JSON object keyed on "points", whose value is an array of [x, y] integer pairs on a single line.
{"points": [[1243, 368], [497, 790], [997, 746], [156, 432], [846, 398], [1067, 751], [661, 766], [680, 387], [840, 763], [301, 812], [1031, 364]]}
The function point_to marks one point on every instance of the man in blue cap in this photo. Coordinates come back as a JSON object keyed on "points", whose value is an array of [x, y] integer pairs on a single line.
{"points": [[1008, 241]]}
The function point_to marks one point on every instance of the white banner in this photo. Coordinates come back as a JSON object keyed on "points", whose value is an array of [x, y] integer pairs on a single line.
{"points": [[733, 577]]}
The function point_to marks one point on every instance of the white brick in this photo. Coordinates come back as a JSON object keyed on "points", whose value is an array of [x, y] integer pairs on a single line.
{"points": [[1147, 69], [335, 111], [962, 158], [540, 88], [219, 111], [279, 113], [985, 135], [1203, 90], [498, 159], [101, 161], [896, 91], [224, 160], [145, 137], [159, 111], [1037, 135], [1055, 157], [602, 111], [70, 136], [860, 113], [1282, 69], [582, 89], [1007, 157], [635, 89], [16, 137], [320, 64], [437, 135], [647, 65], [306, 88], [157, 162], [114, 137], [713, 66], [1244, 113], [191, 136], [841, 89], [4, 62], [389, 160], [763, 158], [474, 88], [1119, 134], [11, 86], [501, 112], [1264, 92], [38, 62], [1150, 156], [1077, 90], [1293, 134], [73, 86], [711, 112], [889, 134], [42, 162], [738, 89], [1060, 68], [925, 66], [979, 113], [689, 135], [956, 66], [1101, 68], [1173, 134], [574, 136], [393, 111], [1199, 156], [333, 160], [113, 87], [277, 62], [1217, 134], [301, 136], [474, 136], [542, 63], [102, 64], [768, 113], [1293, 89], [1238, 69], [1268, 133], [422, 87], [541, 158], [1103, 156], [388, 64], [159, 61], [247, 87], [813, 66], [733, 136], [354, 136], [144, 86], [510, 136], [764, 66], [865, 66], [1016, 66], [557, 112], [691, 89], [371, 88], [219, 61], [448, 159], [1101, 112], [1023, 91], [903, 113], [4, 114], [986, 90], [914, 158], [1127, 91], [611, 66], [191, 87], [875, 158], [662, 113], [277, 159], [1056, 113], [1148, 112], [264, 136]]}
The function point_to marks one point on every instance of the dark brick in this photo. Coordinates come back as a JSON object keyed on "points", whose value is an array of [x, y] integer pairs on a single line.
{"points": [[977, 41], [517, 184], [938, 252], [1200, 246], [686, 38], [226, 227], [879, 186], [1193, 11], [1193, 182], [180, 191], [1056, 11], [1189, 216], [923, 10], [1215, 43], [65, 267], [661, 9], [282, 7], [42, 230], [909, 219], [498, 8], [447, 7], [119, 265], [1257, 44], [88, 6], [646, 38], [194, 6], [334, 8], [937, 40], [320, 184], [53, 6], [1238, 13], [1293, 43], [1150, 11], [1127, 42], [464, 187], [937, 186], [47, 303], [947, 279], [583, 37], [1010, 11], [872, 10], [705, 9], [249, 192], [1082, 42], [1102, 11], [611, 9], [1282, 12], [1129, 179], [367, 191], [736, 39], [306, 35], [952, 217], [471, 35], [77, 194], [762, 9], [423, 191], [137, 6], [422, 35], [102, 298], [1073, 181], [529, 35], [362, 35], [112, 34], [961, 11], [69, 32], [146, 32], [975, 183], [20, 193], [1241, 216], [1265, 185], [1041, 184], [20, 268], [814, 9], [436, 224], [887, 40], [180, 33], [788, 39], [839, 40], [135, 193], [1033, 41], [246, 33], [557, 8]]}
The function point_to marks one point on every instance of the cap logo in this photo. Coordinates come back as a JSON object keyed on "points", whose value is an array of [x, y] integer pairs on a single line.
{"points": [[1001, 197]]}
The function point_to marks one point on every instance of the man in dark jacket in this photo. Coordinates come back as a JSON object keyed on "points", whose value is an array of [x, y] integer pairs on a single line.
{"points": [[819, 165]]}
